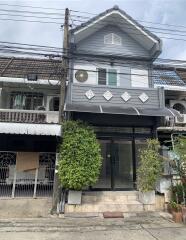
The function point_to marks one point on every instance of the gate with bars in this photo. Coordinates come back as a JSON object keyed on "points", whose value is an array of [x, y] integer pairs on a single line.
{"points": [[35, 183]]}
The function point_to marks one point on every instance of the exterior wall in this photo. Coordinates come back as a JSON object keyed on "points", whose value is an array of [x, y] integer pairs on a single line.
{"points": [[78, 96], [21, 208], [95, 44], [129, 74]]}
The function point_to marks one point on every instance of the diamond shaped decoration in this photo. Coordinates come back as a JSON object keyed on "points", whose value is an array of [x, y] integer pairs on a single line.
{"points": [[107, 95], [125, 96], [89, 94], [143, 97]]}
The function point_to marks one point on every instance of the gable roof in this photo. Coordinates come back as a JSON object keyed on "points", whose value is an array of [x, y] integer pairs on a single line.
{"points": [[116, 16], [167, 77], [19, 67]]}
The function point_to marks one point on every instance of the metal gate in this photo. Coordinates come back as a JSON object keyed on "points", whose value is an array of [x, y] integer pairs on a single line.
{"points": [[35, 183]]}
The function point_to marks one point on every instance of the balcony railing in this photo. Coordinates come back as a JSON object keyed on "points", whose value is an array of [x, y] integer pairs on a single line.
{"points": [[28, 116], [143, 98]]}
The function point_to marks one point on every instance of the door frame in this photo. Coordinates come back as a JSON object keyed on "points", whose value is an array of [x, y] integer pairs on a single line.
{"points": [[113, 179], [111, 152], [128, 137]]}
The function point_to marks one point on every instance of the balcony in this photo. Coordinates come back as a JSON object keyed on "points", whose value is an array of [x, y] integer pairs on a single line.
{"points": [[28, 116], [116, 100]]}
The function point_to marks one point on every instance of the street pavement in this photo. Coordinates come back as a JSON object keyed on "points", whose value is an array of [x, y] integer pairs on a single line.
{"points": [[142, 226]]}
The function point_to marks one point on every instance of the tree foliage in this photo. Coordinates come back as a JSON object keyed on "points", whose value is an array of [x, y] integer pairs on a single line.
{"points": [[80, 156], [150, 166], [180, 160]]}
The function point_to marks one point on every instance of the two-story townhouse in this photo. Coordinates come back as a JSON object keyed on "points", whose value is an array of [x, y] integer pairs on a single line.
{"points": [[111, 87], [29, 129], [172, 79]]}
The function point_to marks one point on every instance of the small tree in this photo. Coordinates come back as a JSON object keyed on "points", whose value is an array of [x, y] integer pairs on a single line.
{"points": [[180, 159], [80, 156], [150, 166]]}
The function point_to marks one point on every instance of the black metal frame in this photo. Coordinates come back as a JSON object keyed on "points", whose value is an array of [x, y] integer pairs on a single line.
{"points": [[122, 136]]}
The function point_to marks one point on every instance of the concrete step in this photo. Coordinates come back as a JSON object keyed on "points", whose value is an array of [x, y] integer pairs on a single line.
{"points": [[109, 197], [110, 193], [134, 206]]}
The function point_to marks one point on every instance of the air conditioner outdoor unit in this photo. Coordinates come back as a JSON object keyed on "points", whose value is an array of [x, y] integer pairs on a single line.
{"points": [[173, 102], [181, 119], [179, 105]]}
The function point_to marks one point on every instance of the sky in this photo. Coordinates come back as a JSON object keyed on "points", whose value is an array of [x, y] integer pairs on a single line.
{"points": [[158, 11]]}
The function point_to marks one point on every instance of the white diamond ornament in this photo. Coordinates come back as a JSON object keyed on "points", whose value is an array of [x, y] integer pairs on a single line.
{"points": [[107, 95], [125, 96], [89, 94], [143, 97]]}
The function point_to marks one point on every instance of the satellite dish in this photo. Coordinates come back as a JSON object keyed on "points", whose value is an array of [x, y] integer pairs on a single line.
{"points": [[81, 75]]}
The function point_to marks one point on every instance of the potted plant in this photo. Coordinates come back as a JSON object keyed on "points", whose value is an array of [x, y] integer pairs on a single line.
{"points": [[175, 209], [150, 168], [183, 208], [79, 159], [178, 193]]}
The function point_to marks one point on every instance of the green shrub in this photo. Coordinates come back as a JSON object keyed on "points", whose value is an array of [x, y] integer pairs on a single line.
{"points": [[180, 161], [178, 192], [150, 166], [80, 156]]}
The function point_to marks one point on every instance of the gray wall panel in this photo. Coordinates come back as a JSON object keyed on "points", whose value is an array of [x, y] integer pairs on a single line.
{"points": [[95, 44], [155, 96]]}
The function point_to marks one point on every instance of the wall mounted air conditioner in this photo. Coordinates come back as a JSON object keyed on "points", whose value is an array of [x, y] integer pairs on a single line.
{"points": [[173, 102], [182, 118]]}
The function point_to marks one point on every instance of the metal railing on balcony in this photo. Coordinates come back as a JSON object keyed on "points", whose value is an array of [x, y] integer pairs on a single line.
{"points": [[28, 116]]}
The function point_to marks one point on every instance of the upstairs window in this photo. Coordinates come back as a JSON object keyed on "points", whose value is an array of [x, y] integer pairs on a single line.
{"points": [[112, 77], [112, 38], [107, 77], [26, 100], [102, 76]]}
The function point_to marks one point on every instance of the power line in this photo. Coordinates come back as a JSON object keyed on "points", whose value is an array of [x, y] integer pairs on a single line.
{"points": [[76, 11], [29, 6], [30, 21], [40, 12], [50, 49], [132, 31], [33, 45], [126, 24], [26, 16], [138, 20]]}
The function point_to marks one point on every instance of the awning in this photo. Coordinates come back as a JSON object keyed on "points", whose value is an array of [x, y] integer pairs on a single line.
{"points": [[121, 110], [30, 129]]}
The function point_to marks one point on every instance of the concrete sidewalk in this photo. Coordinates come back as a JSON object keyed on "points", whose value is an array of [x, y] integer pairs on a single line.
{"points": [[145, 226]]}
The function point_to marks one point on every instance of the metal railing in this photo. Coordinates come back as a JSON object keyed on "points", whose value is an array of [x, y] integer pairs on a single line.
{"points": [[35, 183], [28, 116]]}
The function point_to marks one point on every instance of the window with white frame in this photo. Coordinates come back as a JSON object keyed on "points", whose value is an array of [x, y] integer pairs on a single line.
{"points": [[107, 76], [112, 38], [139, 78]]}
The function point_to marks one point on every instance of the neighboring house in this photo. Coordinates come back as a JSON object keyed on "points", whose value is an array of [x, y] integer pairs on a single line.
{"points": [[29, 130], [173, 80], [111, 87]]}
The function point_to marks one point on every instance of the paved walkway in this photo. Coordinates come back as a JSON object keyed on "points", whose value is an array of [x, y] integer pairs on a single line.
{"points": [[144, 226]]}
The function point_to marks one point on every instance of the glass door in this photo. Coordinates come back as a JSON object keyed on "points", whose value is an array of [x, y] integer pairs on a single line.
{"points": [[104, 181], [122, 164], [117, 171]]}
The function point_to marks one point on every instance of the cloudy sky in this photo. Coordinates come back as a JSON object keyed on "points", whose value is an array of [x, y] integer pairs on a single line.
{"points": [[170, 12]]}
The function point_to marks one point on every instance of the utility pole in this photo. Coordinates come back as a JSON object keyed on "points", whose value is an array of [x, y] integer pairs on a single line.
{"points": [[63, 79], [65, 63]]}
